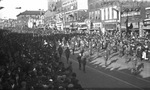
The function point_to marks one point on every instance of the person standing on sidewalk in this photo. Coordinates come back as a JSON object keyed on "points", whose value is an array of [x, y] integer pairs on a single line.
{"points": [[106, 57], [79, 60]]}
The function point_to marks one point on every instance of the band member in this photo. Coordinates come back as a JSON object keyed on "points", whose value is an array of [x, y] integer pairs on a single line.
{"points": [[134, 63], [139, 53], [82, 51], [79, 60], [106, 57]]}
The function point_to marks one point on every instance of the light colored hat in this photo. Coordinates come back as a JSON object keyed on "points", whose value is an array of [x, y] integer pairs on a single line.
{"points": [[70, 85]]}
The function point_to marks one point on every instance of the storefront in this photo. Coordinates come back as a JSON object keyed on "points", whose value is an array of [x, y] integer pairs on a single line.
{"points": [[97, 25], [131, 18]]}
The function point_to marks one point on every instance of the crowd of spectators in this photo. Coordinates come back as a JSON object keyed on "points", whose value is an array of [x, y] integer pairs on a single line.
{"points": [[28, 63]]}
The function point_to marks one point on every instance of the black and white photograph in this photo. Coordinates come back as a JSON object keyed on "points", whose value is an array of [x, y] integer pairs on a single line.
{"points": [[74, 44]]}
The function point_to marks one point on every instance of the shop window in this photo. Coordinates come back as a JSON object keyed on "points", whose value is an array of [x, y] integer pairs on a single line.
{"points": [[93, 15], [148, 16], [98, 14]]}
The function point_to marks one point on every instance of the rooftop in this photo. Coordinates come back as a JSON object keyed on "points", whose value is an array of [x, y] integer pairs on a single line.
{"points": [[31, 13]]}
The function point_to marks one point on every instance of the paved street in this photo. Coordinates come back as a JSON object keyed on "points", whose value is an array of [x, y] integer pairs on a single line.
{"points": [[116, 75]]}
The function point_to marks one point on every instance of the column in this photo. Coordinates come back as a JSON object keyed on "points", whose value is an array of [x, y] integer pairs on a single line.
{"points": [[110, 13]]}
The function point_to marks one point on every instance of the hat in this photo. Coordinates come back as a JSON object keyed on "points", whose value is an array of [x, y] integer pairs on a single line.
{"points": [[63, 76], [70, 86]]}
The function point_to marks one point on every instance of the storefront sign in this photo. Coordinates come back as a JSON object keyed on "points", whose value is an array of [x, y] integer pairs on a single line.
{"points": [[110, 26], [130, 14]]}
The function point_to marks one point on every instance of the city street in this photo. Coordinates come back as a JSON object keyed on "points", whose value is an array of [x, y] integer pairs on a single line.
{"points": [[105, 77], [107, 44]]}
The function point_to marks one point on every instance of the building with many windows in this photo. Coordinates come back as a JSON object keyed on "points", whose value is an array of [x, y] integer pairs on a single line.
{"points": [[118, 14], [68, 14], [146, 16], [52, 14], [30, 18], [104, 15], [74, 13]]}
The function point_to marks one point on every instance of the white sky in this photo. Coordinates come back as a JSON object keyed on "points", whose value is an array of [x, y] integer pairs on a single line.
{"points": [[10, 10]]}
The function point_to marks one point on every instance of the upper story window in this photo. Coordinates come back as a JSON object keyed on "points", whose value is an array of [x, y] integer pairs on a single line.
{"points": [[98, 14], [147, 12]]}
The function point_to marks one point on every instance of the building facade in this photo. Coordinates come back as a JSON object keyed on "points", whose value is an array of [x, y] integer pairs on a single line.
{"points": [[135, 13], [74, 13], [146, 16], [118, 14], [30, 18], [105, 15], [52, 13], [68, 13]]}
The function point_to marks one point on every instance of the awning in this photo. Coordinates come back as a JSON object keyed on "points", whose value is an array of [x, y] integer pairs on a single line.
{"points": [[146, 28]]}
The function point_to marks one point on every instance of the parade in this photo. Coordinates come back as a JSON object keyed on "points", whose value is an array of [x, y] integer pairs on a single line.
{"points": [[75, 45], [43, 57]]}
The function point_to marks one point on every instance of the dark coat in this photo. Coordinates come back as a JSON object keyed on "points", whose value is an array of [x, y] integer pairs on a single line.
{"points": [[67, 52], [60, 50]]}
